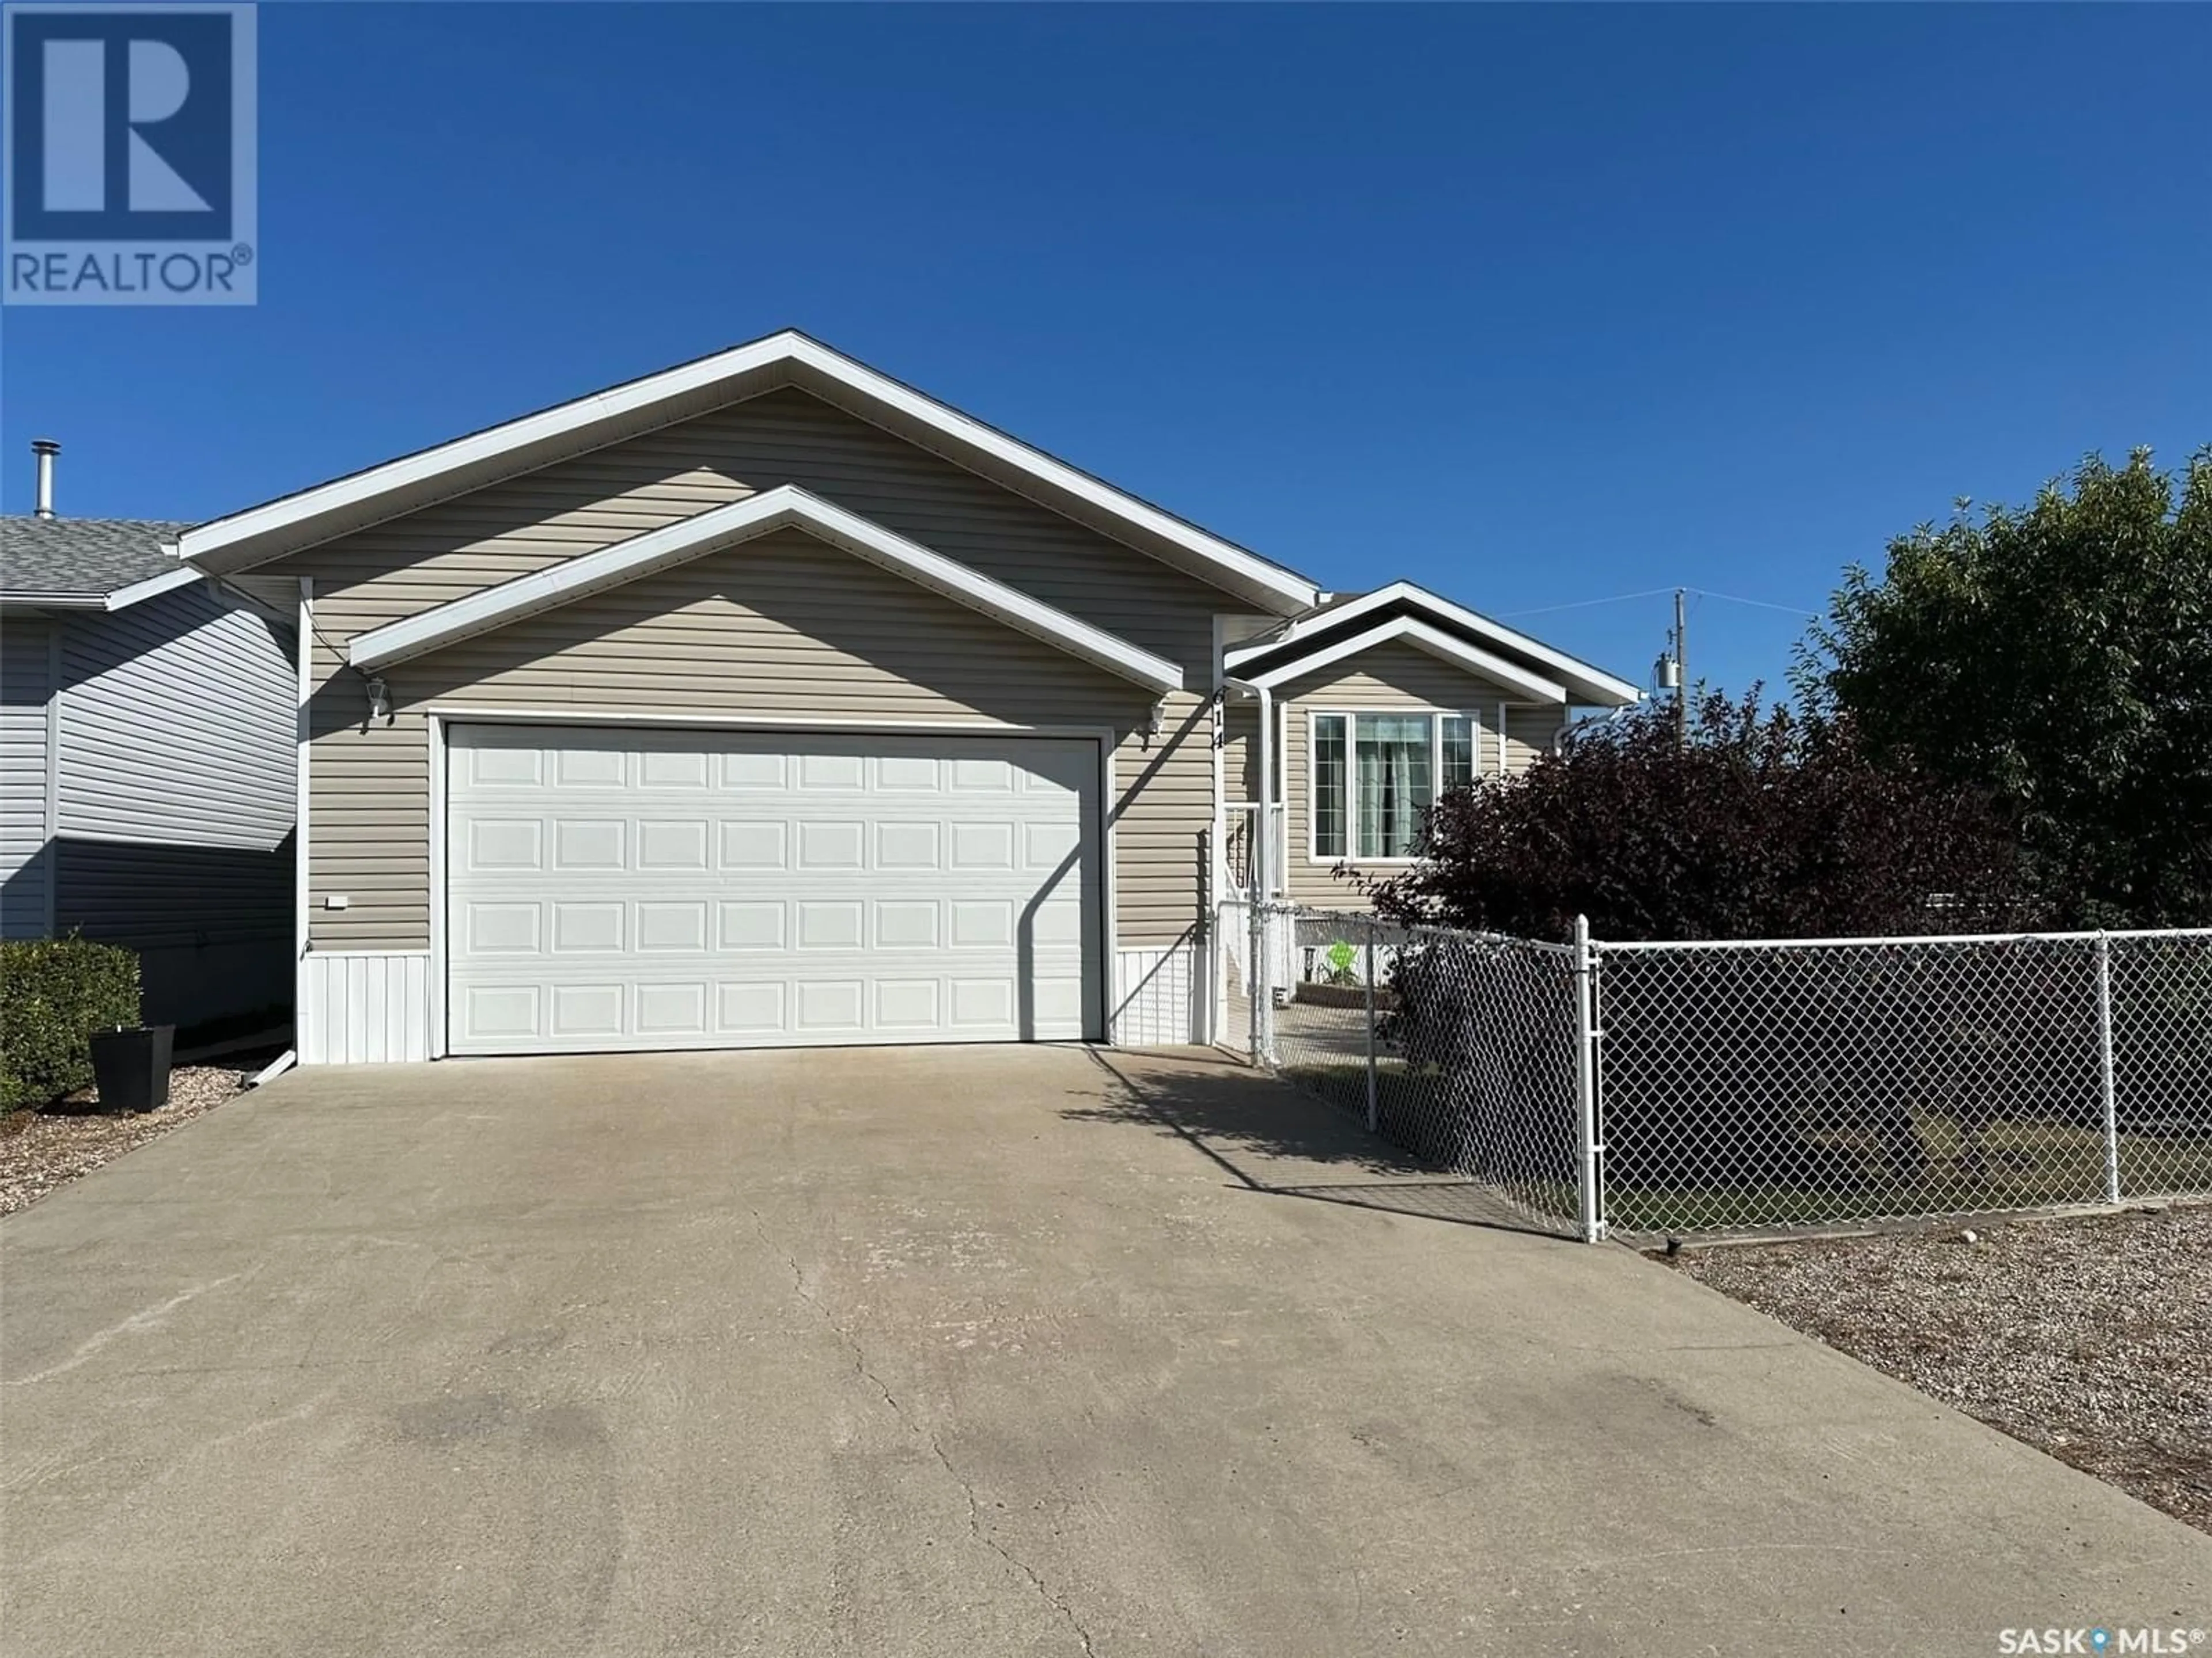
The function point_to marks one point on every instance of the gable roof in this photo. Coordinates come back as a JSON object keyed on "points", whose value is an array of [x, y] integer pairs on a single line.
{"points": [[789, 358], [1437, 643], [86, 563], [1320, 636], [786, 507]]}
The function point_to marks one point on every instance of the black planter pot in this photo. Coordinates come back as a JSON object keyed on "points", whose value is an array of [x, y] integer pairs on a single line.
{"points": [[132, 1066]]}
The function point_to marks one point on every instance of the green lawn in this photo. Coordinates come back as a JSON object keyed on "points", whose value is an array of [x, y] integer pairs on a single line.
{"points": [[2025, 1165]]}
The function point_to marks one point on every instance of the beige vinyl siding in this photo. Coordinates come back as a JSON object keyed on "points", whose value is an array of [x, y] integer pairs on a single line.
{"points": [[1529, 733], [1394, 677], [369, 835], [783, 628], [1240, 750]]}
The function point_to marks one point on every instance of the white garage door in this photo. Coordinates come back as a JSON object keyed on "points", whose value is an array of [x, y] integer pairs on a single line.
{"points": [[611, 889]]}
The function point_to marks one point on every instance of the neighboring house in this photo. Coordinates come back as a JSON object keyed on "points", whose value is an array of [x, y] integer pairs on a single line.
{"points": [[147, 762], [767, 701]]}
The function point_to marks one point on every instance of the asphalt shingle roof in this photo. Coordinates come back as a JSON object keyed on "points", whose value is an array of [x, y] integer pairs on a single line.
{"points": [[86, 557]]}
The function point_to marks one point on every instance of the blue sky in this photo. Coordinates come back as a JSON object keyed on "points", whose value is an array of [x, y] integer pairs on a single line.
{"points": [[1533, 305]]}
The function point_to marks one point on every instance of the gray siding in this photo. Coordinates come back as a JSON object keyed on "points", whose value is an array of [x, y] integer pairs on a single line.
{"points": [[175, 799], [26, 862], [173, 795], [369, 826], [177, 723]]}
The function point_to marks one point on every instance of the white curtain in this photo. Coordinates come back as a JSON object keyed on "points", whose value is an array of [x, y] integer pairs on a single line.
{"points": [[1395, 781]]}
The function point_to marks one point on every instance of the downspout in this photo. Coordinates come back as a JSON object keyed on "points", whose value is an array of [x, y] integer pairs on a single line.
{"points": [[1263, 836]]}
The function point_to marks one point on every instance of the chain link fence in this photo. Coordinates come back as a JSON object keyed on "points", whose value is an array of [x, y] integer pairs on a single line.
{"points": [[1675, 1089]]}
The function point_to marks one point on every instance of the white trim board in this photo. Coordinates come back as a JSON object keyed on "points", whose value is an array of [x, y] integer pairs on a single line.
{"points": [[1445, 646], [784, 507], [1588, 684], [789, 358], [479, 713], [305, 1008], [152, 587]]}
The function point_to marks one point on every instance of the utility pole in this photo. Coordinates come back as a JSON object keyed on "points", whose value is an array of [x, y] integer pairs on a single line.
{"points": [[1681, 674]]}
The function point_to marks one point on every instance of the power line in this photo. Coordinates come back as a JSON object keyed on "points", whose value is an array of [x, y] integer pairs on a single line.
{"points": [[1760, 604], [1655, 592], [1584, 603]]}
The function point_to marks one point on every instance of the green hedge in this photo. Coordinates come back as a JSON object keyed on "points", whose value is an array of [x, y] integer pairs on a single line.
{"points": [[54, 993]]}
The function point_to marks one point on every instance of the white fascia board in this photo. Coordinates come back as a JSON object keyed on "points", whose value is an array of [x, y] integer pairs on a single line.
{"points": [[1591, 684], [1446, 646], [152, 587], [786, 507], [415, 478], [204, 543]]}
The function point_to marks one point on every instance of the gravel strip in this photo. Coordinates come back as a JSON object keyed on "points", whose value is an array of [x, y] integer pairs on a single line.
{"points": [[42, 1150], [2088, 1336]]}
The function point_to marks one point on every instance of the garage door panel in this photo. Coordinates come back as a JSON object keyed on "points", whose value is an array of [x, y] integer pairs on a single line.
{"points": [[493, 929], [589, 1010], [745, 1010], [909, 774], [676, 769], [497, 843], [831, 1005], [830, 843], [752, 771], [674, 888], [672, 1010], [754, 845], [907, 1005], [821, 774], [829, 924], [915, 846], [674, 844], [589, 768], [908, 924], [750, 924], [493, 1012]]}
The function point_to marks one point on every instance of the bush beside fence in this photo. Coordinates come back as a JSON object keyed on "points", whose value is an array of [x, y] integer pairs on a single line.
{"points": [[1736, 1087], [54, 994]]}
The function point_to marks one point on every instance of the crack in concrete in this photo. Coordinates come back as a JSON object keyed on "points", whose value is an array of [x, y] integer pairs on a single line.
{"points": [[146, 1318], [860, 1368]]}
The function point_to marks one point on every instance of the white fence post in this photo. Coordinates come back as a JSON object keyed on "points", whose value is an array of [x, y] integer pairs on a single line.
{"points": [[1592, 1205], [1270, 924], [2104, 1068], [1371, 1114], [1255, 976]]}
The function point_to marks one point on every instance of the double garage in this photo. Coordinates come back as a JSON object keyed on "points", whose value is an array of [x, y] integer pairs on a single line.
{"points": [[612, 887]]}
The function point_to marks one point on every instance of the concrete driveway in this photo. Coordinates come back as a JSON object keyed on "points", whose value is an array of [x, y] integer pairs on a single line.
{"points": [[954, 1351]]}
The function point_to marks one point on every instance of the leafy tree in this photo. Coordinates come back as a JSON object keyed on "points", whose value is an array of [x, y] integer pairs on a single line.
{"points": [[1762, 825], [2060, 656]]}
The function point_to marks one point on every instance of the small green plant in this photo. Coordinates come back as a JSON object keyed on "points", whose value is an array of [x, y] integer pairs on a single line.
{"points": [[54, 994], [1341, 957]]}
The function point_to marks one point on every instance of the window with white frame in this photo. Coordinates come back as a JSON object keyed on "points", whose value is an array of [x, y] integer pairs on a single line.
{"points": [[1373, 778]]}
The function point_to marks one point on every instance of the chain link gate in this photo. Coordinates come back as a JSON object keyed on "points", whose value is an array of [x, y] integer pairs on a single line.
{"points": [[1458, 1049]]}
